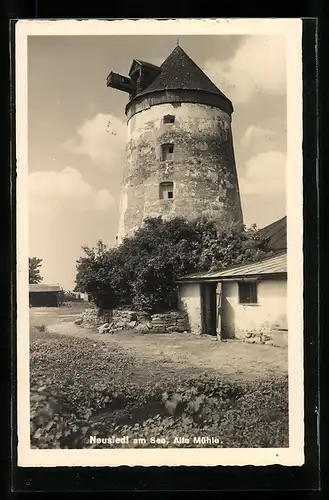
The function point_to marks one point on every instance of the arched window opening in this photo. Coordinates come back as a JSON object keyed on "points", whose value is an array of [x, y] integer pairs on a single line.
{"points": [[166, 191], [167, 152], [169, 119]]}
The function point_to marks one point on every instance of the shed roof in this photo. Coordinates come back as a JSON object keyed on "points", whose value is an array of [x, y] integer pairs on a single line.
{"points": [[276, 264], [179, 71], [40, 287], [276, 233]]}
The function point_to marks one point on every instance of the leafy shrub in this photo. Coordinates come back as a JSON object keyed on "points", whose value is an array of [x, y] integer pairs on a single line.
{"points": [[81, 388], [142, 270]]}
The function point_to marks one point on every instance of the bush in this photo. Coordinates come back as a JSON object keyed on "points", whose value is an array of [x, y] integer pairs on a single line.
{"points": [[81, 388], [142, 270]]}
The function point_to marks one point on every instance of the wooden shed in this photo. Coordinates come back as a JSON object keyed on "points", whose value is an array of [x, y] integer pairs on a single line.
{"points": [[41, 295]]}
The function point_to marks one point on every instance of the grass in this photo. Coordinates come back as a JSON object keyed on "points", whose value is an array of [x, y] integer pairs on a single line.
{"points": [[82, 387]]}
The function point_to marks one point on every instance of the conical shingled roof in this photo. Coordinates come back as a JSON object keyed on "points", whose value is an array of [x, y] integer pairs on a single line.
{"points": [[178, 71]]}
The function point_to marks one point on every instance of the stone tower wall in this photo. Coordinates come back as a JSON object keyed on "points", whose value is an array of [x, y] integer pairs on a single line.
{"points": [[202, 170]]}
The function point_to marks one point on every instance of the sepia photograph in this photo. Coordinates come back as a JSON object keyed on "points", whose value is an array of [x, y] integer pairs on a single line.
{"points": [[159, 240]]}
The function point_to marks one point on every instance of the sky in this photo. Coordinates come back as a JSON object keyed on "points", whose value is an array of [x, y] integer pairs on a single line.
{"points": [[77, 132]]}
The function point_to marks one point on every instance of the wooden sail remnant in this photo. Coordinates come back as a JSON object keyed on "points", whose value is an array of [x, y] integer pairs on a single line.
{"points": [[141, 75], [119, 82]]}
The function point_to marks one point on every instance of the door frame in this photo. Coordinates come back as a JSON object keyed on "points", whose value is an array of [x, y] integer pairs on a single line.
{"points": [[219, 310], [208, 295]]}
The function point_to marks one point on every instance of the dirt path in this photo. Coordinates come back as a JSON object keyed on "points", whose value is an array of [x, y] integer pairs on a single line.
{"points": [[235, 359]]}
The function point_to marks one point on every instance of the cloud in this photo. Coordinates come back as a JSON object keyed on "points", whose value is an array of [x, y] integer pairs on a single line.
{"points": [[258, 139], [52, 193], [256, 134], [265, 175], [257, 66], [102, 138], [65, 212]]}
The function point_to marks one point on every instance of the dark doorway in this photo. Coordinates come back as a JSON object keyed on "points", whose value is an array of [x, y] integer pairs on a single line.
{"points": [[209, 309]]}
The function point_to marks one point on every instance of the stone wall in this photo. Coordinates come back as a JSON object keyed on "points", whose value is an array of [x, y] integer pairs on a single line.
{"points": [[122, 320], [270, 336], [268, 333]]}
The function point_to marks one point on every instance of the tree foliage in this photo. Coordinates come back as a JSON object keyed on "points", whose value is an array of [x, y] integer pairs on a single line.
{"points": [[141, 272], [34, 270]]}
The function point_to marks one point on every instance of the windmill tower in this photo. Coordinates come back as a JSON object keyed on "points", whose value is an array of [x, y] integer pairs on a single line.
{"points": [[179, 155]]}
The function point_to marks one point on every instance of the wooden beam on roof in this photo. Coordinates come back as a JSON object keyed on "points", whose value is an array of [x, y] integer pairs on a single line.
{"points": [[120, 82]]}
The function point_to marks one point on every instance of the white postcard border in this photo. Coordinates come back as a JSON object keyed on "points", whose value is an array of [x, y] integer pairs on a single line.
{"points": [[294, 455]]}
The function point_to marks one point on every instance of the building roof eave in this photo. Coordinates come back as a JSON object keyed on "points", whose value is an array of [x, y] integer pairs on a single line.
{"points": [[242, 277]]}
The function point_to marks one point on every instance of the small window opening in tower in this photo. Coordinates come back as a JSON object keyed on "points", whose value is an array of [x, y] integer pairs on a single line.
{"points": [[167, 151], [169, 119], [166, 191]]}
